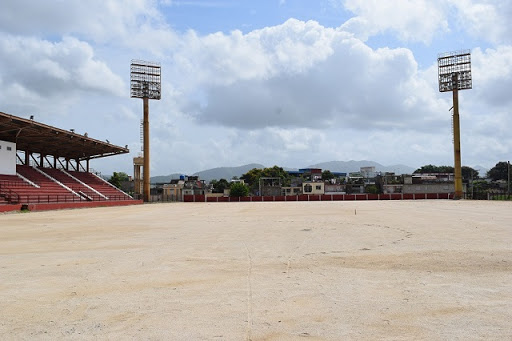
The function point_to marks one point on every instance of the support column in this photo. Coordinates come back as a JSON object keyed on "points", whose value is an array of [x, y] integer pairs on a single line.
{"points": [[146, 176], [27, 157], [456, 139]]}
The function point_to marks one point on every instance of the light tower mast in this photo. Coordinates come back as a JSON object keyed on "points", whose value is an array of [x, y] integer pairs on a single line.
{"points": [[145, 83], [454, 71]]}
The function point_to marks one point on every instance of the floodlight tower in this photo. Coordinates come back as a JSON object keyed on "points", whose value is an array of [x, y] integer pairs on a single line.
{"points": [[454, 75], [145, 83]]}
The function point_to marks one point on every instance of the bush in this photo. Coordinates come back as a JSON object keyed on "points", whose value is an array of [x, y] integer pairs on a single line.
{"points": [[372, 189], [238, 189]]}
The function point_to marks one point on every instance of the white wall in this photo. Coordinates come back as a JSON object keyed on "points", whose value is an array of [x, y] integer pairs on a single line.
{"points": [[7, 158]]}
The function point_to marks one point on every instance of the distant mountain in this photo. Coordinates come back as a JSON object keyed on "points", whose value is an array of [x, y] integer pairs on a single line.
{"points": [[164, 179], [215, 173], [226, 172], [355, 166], [334, 166]]}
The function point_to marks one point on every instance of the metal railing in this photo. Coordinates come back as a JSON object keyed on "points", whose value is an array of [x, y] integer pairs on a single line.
{"points": [[488, 194], [13, 197]]}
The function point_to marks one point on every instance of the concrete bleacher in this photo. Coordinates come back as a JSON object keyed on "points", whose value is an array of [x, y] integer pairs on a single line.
{"points": [[49, 185], [79, 187], [7, 182], [100, 185], [48, 190]]}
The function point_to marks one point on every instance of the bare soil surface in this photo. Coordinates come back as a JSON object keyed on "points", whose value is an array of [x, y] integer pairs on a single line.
{"points": [[408, 270]]}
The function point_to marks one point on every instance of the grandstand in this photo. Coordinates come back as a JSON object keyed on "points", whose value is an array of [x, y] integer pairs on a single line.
{"points": [[44, 167]]}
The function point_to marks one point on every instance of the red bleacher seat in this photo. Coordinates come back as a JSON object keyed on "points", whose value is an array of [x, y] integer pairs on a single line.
{"points": [[101, 186], [58, 187]]}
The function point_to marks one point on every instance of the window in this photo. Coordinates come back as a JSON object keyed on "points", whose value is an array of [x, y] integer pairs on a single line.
{"points": [[8, 148], [318, 187], [308, 188]]}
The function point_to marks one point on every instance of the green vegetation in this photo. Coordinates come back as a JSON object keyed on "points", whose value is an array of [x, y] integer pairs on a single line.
{"points": [[499, 172], [501, 197], [219, 185], [252, 177], [238, 189], [117, 178], [372, 189], [327, 175]]}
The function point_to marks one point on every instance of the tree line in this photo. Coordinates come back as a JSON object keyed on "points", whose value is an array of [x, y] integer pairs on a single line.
{"points": [[498, 172]]}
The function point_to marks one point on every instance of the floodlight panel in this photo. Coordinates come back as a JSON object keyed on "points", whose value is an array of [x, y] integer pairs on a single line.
{"points": [[145, 80], [454, 63]]}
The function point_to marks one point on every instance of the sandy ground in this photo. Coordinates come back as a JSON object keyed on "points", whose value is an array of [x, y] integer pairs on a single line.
{"points": [[424, 270]]}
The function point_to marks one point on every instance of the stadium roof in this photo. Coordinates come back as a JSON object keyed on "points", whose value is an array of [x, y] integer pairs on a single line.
{"points": [[35, 137]]}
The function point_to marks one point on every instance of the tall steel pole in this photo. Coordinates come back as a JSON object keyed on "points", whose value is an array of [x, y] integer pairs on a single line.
{"points": [[145, 83], [454, 72], [456, 140], [508, 183], [146, 175]]}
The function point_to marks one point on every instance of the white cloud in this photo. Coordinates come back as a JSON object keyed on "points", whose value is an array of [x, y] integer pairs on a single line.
{"points": [[409, 20], [300, 74], [492, 75], [486, 19], [99, 20], [38, 70]]}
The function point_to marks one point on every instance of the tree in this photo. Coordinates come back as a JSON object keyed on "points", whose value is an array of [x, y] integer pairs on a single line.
{"points": [[427, 169], [117, 178], [469, 173], [252, 177], [327, 175], [434, 169], [499, 172], [372, 189], [277, 172], [219, 185], [238, 189]]}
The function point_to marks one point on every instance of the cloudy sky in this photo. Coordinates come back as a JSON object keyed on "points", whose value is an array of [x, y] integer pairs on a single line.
{"points": [[286, 82]]}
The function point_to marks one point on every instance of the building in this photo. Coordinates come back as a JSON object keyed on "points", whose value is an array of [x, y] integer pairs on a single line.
{"points": [[429, 183], [310, 187]]}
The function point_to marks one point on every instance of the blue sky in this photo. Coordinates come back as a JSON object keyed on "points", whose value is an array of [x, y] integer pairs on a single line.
{"points": [[245, 15], [291, 83]]}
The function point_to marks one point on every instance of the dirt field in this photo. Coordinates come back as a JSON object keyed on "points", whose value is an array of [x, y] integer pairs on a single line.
{"points": [[423, 270]]}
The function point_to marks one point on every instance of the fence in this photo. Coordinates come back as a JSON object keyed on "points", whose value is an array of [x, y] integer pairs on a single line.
{"points": [[165, 198], [489, 194], [320, 197]]}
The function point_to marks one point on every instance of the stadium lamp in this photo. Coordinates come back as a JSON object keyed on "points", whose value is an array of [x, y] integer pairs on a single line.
{"points": [[145, 83], [454, 74]]}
